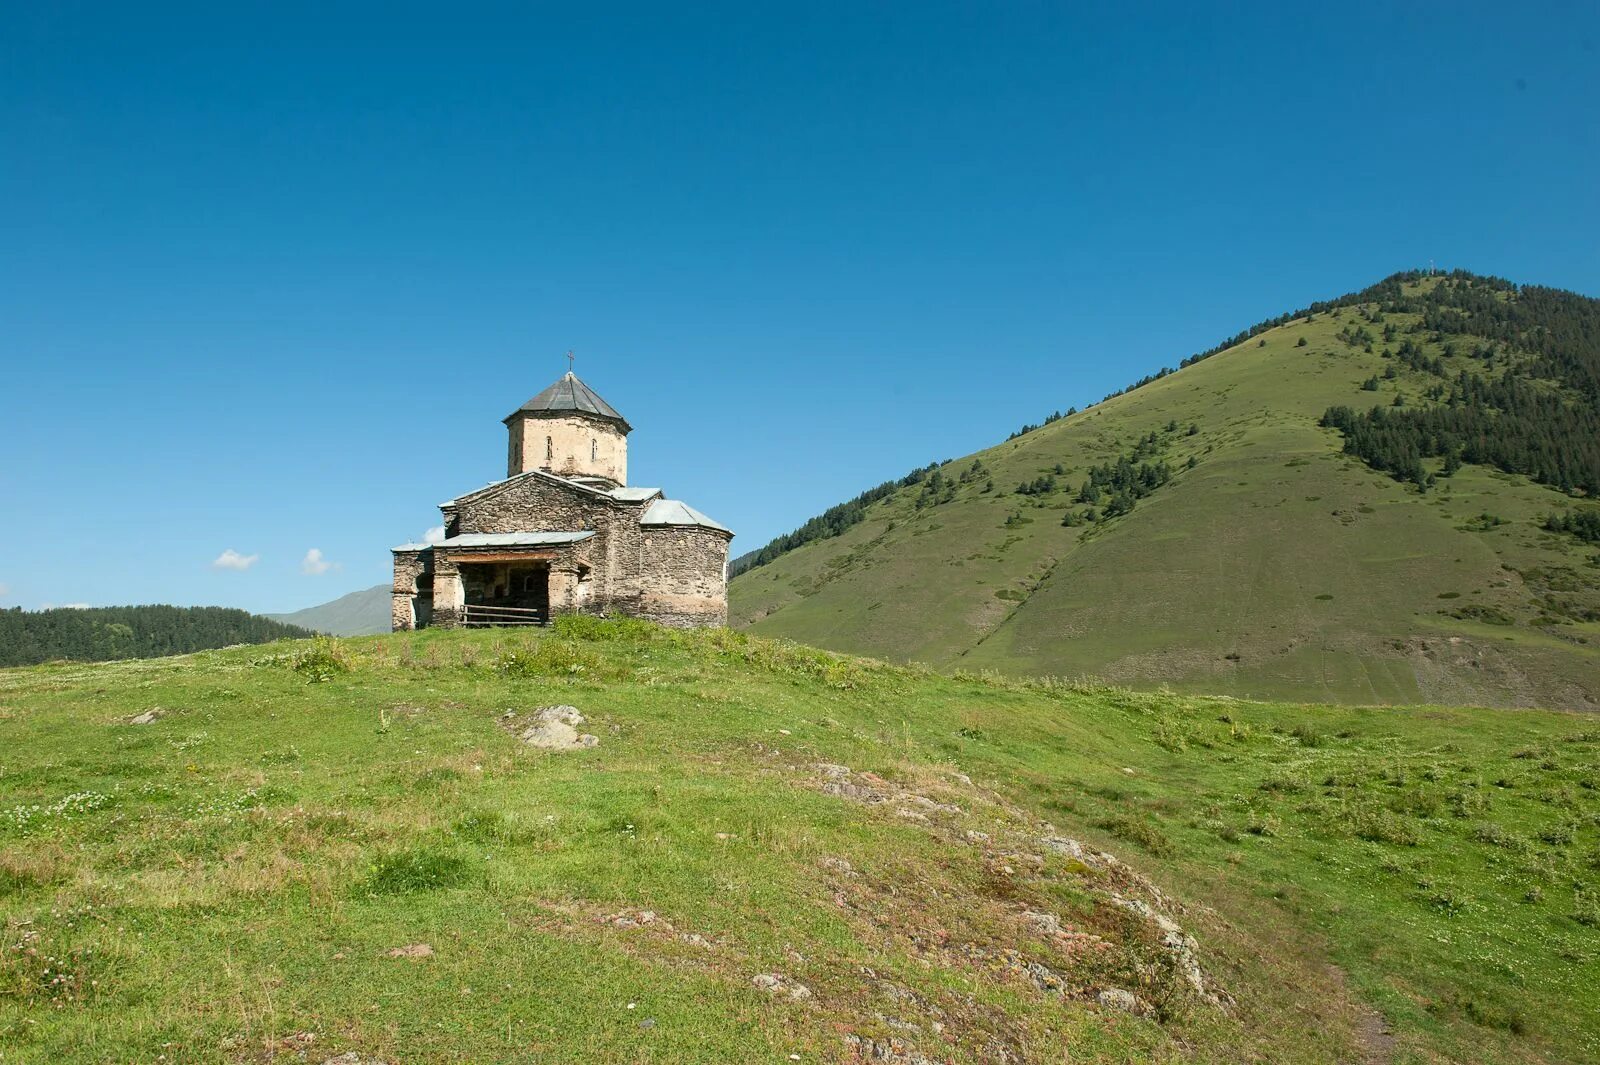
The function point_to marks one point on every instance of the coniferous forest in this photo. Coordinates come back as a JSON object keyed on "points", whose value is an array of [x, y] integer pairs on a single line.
{"points": [[98, 634], [1526, 400]]}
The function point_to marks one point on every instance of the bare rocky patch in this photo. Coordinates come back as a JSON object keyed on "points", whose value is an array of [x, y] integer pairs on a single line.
{"points": [[549, 728], [412, 951], [1123, 953]]}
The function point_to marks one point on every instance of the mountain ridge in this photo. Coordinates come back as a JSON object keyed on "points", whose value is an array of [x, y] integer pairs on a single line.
{"points": [[359, 613], [1273, 561]]}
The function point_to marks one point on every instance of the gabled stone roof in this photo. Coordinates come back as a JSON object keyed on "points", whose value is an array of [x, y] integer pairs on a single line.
{"points": [[512, 539], [515, 539], [677, 512], [525, 475], [571, 394], [634, 495]]}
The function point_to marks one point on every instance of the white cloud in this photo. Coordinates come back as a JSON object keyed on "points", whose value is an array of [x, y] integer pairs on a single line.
{"points": [[5, 590], [432, 536], [314, 564], [63, 606], [231, 559]]}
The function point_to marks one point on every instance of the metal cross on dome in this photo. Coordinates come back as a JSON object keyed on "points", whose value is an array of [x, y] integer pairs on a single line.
{"points": [[569, 360]]}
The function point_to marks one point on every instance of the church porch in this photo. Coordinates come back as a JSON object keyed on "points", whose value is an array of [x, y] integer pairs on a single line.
{"points": [[508, 578]]}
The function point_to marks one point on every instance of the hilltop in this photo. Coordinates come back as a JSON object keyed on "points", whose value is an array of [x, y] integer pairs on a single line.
{"points": [[346, 851], [1383, 498]]}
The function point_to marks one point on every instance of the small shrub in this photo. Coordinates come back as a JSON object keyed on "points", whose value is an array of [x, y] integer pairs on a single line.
{"points": [[1449, 903], [1489, 615], [1382, 826], [1284, 781], [1467, 803], [1138, 831], [1307, 735], [1586, 912], [1495, 836], [1556, 835], [325, 659], [1261, 825], [1171, 735], [1225, 832]]}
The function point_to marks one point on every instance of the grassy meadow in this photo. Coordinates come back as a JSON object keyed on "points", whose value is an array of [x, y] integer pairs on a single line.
{"points": [[340, 850], [1277, 567]]}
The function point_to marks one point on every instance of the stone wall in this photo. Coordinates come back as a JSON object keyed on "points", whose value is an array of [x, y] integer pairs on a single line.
{"points": [[567, 446], [412, 601], [683, 579], [448, 594], [531, 504]]}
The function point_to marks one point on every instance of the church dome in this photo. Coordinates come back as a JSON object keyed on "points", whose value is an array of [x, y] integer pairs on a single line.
{"points": [[568, 395]]}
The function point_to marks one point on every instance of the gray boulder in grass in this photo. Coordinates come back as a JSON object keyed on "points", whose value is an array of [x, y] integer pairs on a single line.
{"points": [[550, 728]]}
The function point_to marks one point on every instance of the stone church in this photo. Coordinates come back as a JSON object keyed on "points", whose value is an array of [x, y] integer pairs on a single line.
{"points": [[564, 533]]}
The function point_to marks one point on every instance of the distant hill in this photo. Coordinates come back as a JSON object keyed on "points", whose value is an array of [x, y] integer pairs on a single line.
{"points": [[98, 634], [360, 613], [1386, 497]]}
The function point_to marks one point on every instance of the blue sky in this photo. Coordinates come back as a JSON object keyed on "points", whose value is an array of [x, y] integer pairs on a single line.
{"points": [[270, 276]]}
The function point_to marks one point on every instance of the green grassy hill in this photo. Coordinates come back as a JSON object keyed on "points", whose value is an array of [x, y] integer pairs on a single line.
{"points": [[1272, 563], [314, 851]]}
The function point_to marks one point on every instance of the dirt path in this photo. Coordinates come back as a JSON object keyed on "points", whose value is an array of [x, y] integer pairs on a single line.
{"points": [[1373, 1034]]}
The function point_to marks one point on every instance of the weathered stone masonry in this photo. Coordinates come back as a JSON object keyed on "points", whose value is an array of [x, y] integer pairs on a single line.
{"points": [[563, 533]]}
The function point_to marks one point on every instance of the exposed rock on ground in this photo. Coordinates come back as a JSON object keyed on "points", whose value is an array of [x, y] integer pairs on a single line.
{"points": [[1021, 855], [627, 919], [1182, 946], [870, 788], [776, 984], [893, 1051], [550, 728], [1118, 999]]}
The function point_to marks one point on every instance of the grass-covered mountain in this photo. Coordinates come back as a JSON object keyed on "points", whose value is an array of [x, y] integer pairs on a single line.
{"points": [[363, 613], [324, 852], [98, 634], [1387, 497]]}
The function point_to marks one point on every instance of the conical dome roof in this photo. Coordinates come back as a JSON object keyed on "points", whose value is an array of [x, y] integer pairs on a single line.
{"points": [[571, 394]]}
